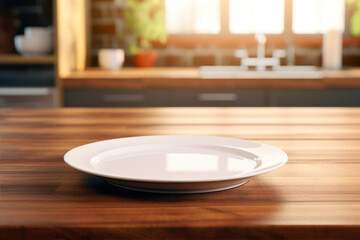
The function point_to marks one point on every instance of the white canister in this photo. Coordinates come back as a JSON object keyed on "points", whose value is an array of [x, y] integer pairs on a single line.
{"points": [[111, 59], [332, 49]]}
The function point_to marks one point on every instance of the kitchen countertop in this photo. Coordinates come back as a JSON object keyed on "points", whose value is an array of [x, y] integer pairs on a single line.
{"points": [[315, 195], [175, 78]]}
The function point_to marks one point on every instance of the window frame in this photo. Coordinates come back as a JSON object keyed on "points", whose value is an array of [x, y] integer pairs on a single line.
{"points": [[287, 35]]}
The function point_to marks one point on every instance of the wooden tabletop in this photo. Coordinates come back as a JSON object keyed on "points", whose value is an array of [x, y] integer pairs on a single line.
{"points": [[316, 195], [177, 78]]}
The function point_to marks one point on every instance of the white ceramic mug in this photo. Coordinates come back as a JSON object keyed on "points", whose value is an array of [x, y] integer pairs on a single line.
{"points": [[31, 32], [111, 59], [32, 46]]}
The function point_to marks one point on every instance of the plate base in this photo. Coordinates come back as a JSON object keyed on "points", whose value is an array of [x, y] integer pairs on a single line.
{"points": [[172, 191]]}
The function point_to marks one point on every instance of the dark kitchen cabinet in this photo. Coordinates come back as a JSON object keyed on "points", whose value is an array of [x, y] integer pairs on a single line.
{"points": [[321, 98], [115, 98], [220, 98], [163, 98], [211, 98]]}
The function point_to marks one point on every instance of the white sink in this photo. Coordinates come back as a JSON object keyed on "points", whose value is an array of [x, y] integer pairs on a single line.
{"points": [[285, 72]]}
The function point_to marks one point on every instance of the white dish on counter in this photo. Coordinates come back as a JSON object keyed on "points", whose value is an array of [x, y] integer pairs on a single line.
{"points": [[176, 163], [111, 59]]}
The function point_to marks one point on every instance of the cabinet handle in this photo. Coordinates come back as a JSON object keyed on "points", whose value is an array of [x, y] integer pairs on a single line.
{"points": [[124, 98], [14, 91], [225, 97]]}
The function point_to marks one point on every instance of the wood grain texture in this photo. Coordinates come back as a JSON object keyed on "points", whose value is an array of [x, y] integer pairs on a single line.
{"points": [[190, 78], [18, 59], [315, 196]]}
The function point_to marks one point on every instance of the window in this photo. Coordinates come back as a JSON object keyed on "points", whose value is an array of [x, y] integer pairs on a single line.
{"points": [[318, 16], [192, 16], [254, 16]]}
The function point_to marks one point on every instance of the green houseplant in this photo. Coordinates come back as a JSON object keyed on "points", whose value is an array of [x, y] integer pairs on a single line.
{"points": [[355, 18], [146, 22]]}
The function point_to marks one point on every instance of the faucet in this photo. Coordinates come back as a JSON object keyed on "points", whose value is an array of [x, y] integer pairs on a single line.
{"points": [[260, 61], [261, 39]]}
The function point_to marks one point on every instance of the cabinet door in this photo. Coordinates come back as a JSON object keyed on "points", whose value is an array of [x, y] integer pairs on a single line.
{"points": [[115, 98], [27, 97], [214, 98], [328, 97]]}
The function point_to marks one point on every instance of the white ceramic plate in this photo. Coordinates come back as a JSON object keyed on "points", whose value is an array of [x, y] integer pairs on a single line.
{"points": [[176, 163]]}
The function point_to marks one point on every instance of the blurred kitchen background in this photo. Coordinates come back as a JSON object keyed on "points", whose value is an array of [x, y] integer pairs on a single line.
{"points": [[312, 44], [208, 32]]}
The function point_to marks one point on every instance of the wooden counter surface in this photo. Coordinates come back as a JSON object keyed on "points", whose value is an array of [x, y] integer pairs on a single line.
{"points": [[315, 196], [177, 78]]}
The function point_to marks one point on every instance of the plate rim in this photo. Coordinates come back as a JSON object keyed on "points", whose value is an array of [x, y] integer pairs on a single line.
{"points": [[250, 174]]}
